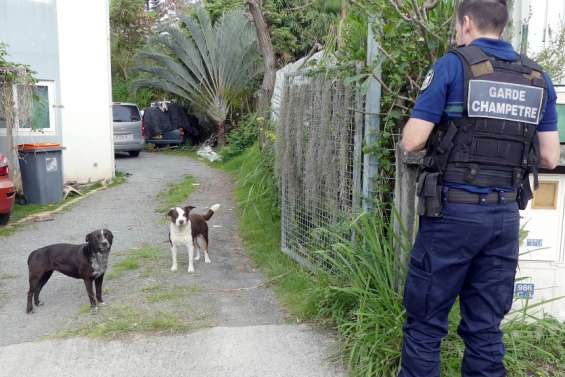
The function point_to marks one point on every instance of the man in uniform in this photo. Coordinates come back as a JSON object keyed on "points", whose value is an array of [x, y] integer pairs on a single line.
{"points": [[488, 118]]}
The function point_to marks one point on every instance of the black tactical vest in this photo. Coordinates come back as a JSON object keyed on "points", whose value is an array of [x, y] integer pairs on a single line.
{"points": [[495, 143]]}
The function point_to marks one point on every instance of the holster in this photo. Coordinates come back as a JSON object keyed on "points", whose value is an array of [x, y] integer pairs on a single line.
{"points": [[429, 190], [524, 193]]}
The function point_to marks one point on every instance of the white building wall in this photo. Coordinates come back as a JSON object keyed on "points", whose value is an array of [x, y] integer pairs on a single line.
{"points": [[542, 263], [542, 260], [542, 18], [86, 93], [545, 16]]}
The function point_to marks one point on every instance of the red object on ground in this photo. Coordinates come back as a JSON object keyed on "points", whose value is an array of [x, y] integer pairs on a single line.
{"points": [[7, 191]]}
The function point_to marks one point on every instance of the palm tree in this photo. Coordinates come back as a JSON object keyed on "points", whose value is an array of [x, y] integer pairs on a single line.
{"points": [[211, 66]]}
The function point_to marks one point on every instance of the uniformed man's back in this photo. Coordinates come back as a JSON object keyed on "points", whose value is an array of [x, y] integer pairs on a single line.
{"points": [[489, 119]]}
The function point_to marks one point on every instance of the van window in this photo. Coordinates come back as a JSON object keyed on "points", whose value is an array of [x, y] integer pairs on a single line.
{"points": [[125, 113]]}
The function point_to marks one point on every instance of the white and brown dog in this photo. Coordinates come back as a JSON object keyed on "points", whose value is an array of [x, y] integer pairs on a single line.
{"points": [[189, 229]]}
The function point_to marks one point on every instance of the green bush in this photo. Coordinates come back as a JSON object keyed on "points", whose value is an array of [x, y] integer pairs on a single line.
{"points": [[260, 228], [364, 302], [363, 299], [142, 97], [362, 296], [119, 90], [242, 137]]}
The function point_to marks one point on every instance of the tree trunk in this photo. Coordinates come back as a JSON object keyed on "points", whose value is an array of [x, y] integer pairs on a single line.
{"points": [[12, 152], [221, 134], [266, 46], [454, 20], [342, 19], [124, 69]]}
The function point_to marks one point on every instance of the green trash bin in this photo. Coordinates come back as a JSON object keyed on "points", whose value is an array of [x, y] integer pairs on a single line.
{"points": [[42, 172]]}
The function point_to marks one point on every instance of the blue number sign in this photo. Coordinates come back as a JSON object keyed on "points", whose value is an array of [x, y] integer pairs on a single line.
{"points": [[524, 290]]}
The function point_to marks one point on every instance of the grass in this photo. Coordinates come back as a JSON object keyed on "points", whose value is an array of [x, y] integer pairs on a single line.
{"points": [[362, 298], [120, 320], [134, 259], [160, 293], [191, 152], [20, 212], [259, 221], [6, 276], [119, 178], [140, 309], [176, 194], [186, 151]]}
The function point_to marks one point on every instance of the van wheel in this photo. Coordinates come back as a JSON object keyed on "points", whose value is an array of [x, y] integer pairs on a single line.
{"points": [[134, 153], [4, 217]]}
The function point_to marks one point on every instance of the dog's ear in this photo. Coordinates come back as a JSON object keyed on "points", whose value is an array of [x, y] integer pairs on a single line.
{"points": [[188, 209], [171, 212], [89, 237], [109, 236]]}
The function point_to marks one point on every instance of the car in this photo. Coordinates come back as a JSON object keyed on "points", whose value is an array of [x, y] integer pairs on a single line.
{"points": [[128, 128], [173, 137], [167, 123], [7, 191]]}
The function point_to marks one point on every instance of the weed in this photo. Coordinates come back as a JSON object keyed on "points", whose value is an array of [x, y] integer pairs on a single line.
{"points": [[259, 221], [362, 296], [133, 260], [159, 293], [175, 195], [119, 320]]}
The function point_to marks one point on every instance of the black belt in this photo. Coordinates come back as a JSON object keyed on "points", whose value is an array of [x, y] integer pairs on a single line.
{"points": [[460, 196]]}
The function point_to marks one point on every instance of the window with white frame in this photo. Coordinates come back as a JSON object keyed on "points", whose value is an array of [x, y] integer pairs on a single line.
{"points": [[42, 117]]}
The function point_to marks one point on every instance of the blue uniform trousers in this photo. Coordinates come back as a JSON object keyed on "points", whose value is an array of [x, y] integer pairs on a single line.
{"points": [[471, 252]]}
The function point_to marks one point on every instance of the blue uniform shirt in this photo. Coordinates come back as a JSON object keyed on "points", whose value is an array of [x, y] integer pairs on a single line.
{"points": [[444, 97]]}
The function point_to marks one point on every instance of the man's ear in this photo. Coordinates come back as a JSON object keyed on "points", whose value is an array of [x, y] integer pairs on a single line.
{"points": [[188, 209], [468, 23]]}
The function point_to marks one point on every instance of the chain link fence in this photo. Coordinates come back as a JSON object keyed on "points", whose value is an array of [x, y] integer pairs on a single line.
{"points": [[319, 162]]}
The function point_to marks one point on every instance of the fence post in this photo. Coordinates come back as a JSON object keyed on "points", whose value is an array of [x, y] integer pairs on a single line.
{"points": [[372, 120], [358, 152], [405, 201]]}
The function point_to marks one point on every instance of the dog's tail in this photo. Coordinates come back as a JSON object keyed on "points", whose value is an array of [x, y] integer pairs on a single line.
{"points": [[211, 212]]}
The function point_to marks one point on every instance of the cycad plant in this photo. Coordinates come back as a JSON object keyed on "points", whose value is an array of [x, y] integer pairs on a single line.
{"points": [[210, 65]]}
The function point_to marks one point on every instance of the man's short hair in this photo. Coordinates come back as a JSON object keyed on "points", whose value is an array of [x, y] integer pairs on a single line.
{"points": [[488, 15]]}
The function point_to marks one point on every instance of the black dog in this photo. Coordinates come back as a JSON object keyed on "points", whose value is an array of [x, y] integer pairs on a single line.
{"points": [[87, 261]]}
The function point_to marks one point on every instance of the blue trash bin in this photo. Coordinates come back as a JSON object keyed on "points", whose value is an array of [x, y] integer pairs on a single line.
{"points": [[42, 173]]}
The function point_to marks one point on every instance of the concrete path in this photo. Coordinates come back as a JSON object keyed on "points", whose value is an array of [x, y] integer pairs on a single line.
{"points": [[250, 351], [246, 332]]}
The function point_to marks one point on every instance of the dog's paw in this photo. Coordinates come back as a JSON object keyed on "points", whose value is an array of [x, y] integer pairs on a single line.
{"points": [[100, 302], [94, 310], [174, 268], [39, 303], [29, 311], [190, 269], [207, 261], [197, 257]]}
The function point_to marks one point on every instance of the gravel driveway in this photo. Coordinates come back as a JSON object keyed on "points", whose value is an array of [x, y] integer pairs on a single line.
{"points": [[129, 212]]}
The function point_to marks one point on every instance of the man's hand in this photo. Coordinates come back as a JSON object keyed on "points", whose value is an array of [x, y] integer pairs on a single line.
{"points": [[416, 133]]}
